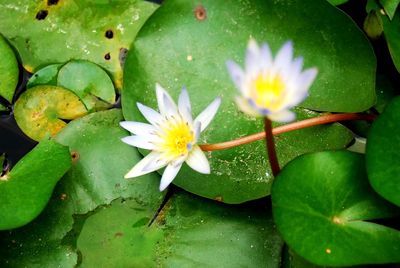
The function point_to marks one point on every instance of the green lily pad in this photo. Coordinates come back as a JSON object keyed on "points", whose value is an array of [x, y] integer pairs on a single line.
{"points": [[45, 76], [40, 111], [87, 80], [47, 32], [222, 32], [383, 153], [8, 70], [189, 232], [322, 203], [101, 160], [25, 191]]}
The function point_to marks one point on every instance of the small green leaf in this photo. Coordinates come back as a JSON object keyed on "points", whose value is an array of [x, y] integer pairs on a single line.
{"points": [[391, 31], [90, 82], [383, 153], [45, 76], [40, 110], [373, 25], [321, 205], [8, 70], [25, 191], [188, 232], [390, 6]]}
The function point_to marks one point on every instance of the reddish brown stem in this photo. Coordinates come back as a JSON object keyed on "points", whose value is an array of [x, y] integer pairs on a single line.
{"points": [[269, 140], [324, 119]]}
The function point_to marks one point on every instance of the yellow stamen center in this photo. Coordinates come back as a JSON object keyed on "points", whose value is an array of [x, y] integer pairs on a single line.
{"points": [[177, 138], [267, 91]]}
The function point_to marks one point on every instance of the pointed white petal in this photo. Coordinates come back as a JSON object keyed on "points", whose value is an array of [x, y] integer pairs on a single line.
{"points": [[138, 128], [297, 64], [245, 107], [197, 130], [307, 78], [184, 106], [166, 105], [139, 142], [198, 161], [139, 168], [169, 175], [252, 57], [265, 56], [208, 113], [236, 74], [151, 115], [283, 116], [284, 56]]}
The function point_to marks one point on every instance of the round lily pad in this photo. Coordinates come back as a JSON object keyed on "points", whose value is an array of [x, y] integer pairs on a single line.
{"points": [[90, 82], [45, 76], [46, 32], [40, 111], [188, 232], [323, 206], [25, 191], [383, 153], [8, 70]]}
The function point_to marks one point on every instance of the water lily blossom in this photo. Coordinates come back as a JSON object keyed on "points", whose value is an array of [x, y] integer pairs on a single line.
{"points": [[171, 136], [270, 86]]}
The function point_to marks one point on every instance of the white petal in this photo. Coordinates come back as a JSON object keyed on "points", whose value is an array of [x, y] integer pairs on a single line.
{"points": [[139, 142], [184, 106], [166, 105], [265, 56], [252, 57], [236, 74], [151, 115], [169, 175], [138, 128], [308, 77], [284, 56], [245, 107], [283, 116], [297, 64], [208, 113], [198, 161], [197, 130], [152, 158]]}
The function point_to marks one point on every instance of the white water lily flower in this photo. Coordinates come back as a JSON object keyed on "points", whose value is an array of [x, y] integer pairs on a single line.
{"points": [[171, 136], [271, 86]]}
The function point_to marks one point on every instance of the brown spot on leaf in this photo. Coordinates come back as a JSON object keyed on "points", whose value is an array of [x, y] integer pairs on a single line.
{"points": [[52, 2], [118, 234], [42, 14], [63, 196], [75, 156], [109, 34], [107, 56], [200, 13]]}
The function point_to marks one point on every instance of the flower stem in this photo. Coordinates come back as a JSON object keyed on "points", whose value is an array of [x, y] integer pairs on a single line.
{"points": [[324, 119], [269, 140]]}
